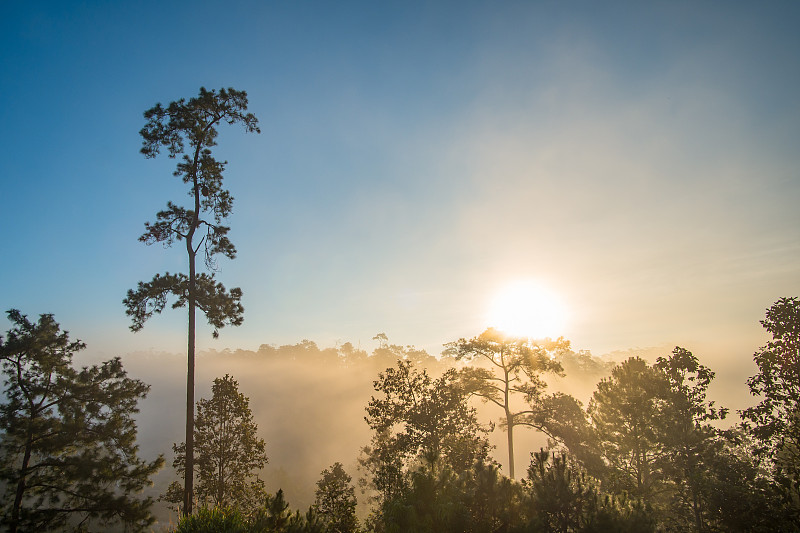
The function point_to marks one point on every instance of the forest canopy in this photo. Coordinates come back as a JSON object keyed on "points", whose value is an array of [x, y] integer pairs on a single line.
{"points": [[648, 450]]}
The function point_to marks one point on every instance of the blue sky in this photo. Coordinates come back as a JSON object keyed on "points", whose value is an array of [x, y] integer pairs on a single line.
{"points": [[640, 159]]}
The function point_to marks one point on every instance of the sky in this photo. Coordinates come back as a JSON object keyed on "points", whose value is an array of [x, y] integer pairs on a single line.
{"points": [[638, 159]]}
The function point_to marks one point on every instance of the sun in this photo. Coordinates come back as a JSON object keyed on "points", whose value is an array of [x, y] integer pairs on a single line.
{"points": [[527, 308]]}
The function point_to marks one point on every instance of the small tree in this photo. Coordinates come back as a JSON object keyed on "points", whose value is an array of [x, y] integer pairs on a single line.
{"points": [[67, 449], [561, 495], [228, 450], [335, 500], [419, 421], [429, 419]]}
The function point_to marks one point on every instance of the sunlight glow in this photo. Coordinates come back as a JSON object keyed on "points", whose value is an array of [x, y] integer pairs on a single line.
{"points": [[527, 308]]}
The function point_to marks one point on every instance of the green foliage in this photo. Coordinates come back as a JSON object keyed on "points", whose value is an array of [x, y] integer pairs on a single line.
{"points": [[737, 494], [419, 423], [335, 500], [626, 415], [558, 497], [193, 123], [515, 366], [67, 450], [562, 418], [213, 520], [652, 428], [477, 500], [419, 419], [273, 516], [492, 500], [561, 495], [220, 306], [775, 421], [691, 443], [563, 498], [228, 450], [431, 504]]}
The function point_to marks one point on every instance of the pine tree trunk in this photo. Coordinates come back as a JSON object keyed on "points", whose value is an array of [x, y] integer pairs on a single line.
{"points": [[510, 423], [509, 420], [23, 472], [188, 488]]}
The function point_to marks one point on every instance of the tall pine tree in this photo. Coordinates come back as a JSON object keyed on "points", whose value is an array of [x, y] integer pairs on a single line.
{"points": [[190, 129]]}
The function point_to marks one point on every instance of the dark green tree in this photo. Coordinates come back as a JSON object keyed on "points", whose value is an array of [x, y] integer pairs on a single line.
{"points": [[562, 495], [431, 503], [515, 366], [563, 498], [68, 444], [492, 499], [738, 493], [478, 500], [429, 418], [689, 439], [273, 516], [419, 422], [775, 421], [189, 129], [335, 501], [626, 417], [229, 451], [653, 427]]}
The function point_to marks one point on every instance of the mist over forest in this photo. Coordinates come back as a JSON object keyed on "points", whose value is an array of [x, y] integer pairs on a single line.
{"points": [[432, 442], [309, 403]]}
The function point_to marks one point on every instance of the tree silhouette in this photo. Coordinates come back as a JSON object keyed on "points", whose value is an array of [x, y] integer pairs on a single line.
{"points": [[515, 367], [689, 438], [563, 498], [775, 421], [625, 413], [419, 420], [228, 450], [335, 500], [200, 226], [67, 447]]}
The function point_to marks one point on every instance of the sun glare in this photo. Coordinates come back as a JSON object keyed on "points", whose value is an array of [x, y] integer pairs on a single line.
{"points": [[527, 309]]}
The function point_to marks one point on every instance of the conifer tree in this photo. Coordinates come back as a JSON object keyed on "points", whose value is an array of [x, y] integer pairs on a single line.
{"points": [[190, 129], [228, 451], [68, 446], [335, 500]]}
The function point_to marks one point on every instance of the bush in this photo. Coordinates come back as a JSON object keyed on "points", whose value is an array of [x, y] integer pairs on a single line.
{"points": [[214, 520], [273, 517]]}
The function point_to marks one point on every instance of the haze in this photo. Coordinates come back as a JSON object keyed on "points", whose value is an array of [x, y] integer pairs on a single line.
{"points": [[638, 159]]}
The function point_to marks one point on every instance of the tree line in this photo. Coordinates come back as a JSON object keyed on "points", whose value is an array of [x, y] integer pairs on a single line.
{"points": [[648, 452]]}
